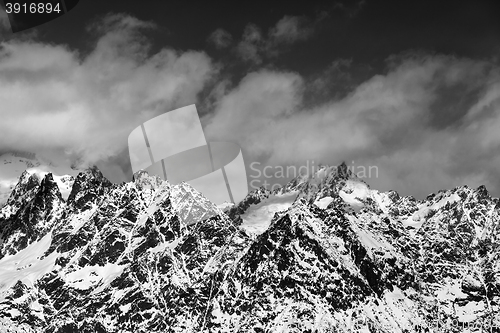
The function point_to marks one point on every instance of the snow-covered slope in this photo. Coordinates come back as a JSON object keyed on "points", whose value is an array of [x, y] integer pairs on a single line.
{"points": [[326, 253]]}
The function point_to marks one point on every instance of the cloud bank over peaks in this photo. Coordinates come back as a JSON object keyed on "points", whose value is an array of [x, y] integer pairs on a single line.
{"points": [[420, 139], [55, 99]]}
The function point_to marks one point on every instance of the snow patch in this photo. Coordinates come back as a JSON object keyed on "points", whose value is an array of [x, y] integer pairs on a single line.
{"points": [[470, 311], [78, 220], [420, 216], [257, 218], [353, 191], [26, 265], [225, 205], [369, 241], [90, 276], [323, 202], [125, 308]]}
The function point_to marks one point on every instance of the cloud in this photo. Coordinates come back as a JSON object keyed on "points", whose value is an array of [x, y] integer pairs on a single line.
{"points": [[4, 20], [84, 106], [428, 122], [389, 121], [252, 44], [350, 8], [291, 29], [255, 46], [335, 81], [260, 101], [220, 38]]}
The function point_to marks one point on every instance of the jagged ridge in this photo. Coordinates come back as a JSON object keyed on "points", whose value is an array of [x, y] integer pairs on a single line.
{"points": [[149, 256]]}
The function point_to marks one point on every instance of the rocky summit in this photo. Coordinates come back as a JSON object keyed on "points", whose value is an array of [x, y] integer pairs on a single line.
{"points": [[324, 253]]}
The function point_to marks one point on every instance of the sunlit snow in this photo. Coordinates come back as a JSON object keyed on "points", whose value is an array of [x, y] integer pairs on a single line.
{"points": [[26, 265], [353, 191], [257, 218], [323, 202], [90, 276], [419, 217]]}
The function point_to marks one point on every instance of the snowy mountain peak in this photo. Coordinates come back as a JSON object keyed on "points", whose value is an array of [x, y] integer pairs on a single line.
{"points": [[88, 185], [325, 177], [325, 253], [340, 171], [16, 165], [142, 179], [190, 205], [93, 173], [27, 175], [48, 182]]}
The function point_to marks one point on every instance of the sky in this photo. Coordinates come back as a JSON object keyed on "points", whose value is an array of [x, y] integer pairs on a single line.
{"points": [[407, 93]]}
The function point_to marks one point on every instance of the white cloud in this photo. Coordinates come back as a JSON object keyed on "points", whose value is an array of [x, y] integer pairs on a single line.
{"points": [[54, 99], [251, 44], [387, 122], [291, 29], [57, 100], [254, 46], [220, 38]]}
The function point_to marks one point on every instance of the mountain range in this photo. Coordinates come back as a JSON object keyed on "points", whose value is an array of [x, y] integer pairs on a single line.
{"points": [[324, 253]]}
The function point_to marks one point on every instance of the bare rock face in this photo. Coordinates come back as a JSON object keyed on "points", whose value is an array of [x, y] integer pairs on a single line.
{"points": [[332, 255]]}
